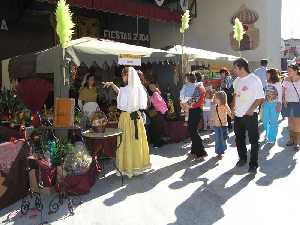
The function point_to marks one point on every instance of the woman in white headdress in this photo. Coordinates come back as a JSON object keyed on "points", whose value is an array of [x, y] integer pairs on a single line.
{"points": [[133, 154]]}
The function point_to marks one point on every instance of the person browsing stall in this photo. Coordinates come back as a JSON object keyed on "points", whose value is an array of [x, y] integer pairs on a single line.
{"points": [[88, 95], [195, 105], [156, 113]]}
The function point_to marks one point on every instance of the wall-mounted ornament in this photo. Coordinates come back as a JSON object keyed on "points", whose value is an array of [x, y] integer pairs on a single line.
{"points": [[250, 39], [159, 2], [88, 27], [3, 25]]}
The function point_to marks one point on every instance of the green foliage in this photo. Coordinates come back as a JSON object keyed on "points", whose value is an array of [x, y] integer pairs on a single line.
{"points": [[185, 20], [10, 104], [238, 30], [64, 23]]}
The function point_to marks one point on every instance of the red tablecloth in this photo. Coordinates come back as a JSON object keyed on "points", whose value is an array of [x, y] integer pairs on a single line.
{"points": [[14, 182], [80, 184], [176, 130]]}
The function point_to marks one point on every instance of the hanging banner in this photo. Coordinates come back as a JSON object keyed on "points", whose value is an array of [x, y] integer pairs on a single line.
{"points": [[130, 60], [159, 2]]}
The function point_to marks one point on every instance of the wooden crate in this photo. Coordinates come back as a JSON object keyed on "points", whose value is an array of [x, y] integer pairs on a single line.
{"points": [[64, 112]]}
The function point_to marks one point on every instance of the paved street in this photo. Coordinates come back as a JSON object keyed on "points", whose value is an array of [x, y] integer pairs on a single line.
{"points": [[182, 192]]}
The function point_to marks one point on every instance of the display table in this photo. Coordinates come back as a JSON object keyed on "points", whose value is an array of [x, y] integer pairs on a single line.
{"points": [[14, 182], [7, 132], [95, 144]]}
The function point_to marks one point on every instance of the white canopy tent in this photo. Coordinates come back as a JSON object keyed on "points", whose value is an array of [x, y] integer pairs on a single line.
{"points": [[54, 61], [194, 56]]}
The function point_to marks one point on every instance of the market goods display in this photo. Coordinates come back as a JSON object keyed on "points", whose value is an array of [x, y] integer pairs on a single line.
{"points": [[99, 122], [78, 161], [113, 115], [64, 112]]}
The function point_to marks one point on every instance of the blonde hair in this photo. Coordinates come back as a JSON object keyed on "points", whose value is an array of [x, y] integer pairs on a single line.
{"points": [[210, 93], [222, 96]]}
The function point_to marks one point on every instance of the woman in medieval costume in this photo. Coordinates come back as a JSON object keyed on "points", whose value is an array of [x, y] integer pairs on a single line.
{"points": [[133, 154]]}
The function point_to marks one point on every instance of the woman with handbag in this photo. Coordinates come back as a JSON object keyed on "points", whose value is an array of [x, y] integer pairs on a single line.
{"points": [[291, 100], [132, 157]]}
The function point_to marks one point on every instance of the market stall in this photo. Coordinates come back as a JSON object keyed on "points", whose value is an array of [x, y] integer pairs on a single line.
{"points": [[38, 75], [207, 63]]}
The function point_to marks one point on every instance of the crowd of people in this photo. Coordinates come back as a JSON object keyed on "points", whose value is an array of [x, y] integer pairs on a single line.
{"points": [[237, 105]]}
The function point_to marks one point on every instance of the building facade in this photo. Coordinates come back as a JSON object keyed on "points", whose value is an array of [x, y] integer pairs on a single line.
{"points": [[212, 29], [28, 25]]}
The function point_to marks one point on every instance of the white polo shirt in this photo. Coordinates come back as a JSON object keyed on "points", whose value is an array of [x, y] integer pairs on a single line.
{"points": [[247, 90]]}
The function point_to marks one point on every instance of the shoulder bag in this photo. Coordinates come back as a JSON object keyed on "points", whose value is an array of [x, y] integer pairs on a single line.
{"points": [[224, 128], [296, 90]]}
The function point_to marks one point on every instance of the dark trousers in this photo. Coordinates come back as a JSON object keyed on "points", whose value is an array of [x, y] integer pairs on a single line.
{"points": [[229, 93], [229, 120], [249, 124], [195, 116]]}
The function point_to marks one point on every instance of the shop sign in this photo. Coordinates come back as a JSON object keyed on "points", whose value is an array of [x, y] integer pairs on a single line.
{"points": [[3, 25], [130, 30], [130, 60], [125, 36]]}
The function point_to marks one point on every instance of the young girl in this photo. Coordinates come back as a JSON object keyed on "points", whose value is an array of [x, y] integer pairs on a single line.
{"points": [[219, 122], [272, 105], [157, 101], [270, 115], [207, 109]]}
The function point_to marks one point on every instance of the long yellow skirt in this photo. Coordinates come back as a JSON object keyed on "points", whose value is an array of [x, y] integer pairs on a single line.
{"points": [[133, 154]]}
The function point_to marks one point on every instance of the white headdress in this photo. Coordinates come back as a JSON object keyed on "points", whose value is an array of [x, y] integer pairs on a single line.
{"points": [[137, 96]]}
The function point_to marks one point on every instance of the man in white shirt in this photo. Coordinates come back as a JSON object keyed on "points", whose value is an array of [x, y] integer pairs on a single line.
{"points": [[248, 96], [261, 72]]}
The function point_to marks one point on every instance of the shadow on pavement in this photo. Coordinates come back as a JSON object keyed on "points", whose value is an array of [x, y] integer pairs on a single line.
{"points": [[279, 166], [170, 150], [154, 178], [205, 204]]}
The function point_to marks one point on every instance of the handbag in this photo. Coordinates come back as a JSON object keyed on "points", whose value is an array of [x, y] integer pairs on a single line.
{"points": [[225, 132]]}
